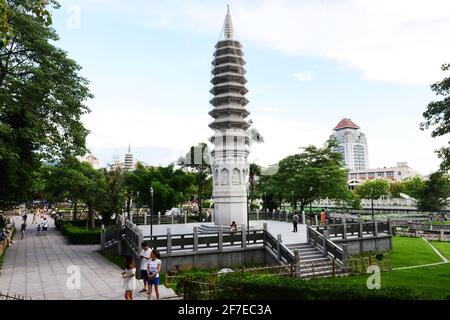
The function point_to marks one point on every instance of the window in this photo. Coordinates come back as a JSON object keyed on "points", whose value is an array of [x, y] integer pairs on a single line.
{"points": [[390, 174], [353, 175], [399, 173], [362, 175], [380, 174], [371, 175]]}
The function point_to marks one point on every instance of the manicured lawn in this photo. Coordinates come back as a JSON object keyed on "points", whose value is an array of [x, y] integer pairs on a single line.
{"points": [[118, 261], [432, 282], [443, 247], [412, 252], [441, 222]]}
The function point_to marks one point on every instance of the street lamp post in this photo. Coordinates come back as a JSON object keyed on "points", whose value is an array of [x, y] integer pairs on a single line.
{"points": [[151, 215], [137, 208]]}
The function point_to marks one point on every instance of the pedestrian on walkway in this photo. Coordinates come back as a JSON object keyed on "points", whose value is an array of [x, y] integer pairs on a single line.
{"points": [[35, 214], [24, 217], [129, 280], [23, 228], [45, 226], [154, 267], [295, 222], [145, 257], [38, 230], [323, 216]]}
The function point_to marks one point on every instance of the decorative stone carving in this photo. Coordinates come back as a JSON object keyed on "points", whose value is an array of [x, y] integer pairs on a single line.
{"points": [[236, 179], [224, 177]]}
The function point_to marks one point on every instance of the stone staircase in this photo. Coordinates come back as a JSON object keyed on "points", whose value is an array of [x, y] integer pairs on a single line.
{"points": [[312, 261]]}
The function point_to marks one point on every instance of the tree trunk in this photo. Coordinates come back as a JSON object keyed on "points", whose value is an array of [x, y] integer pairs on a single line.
{"points": [[75, 206], [199, 203], [91, 217]]}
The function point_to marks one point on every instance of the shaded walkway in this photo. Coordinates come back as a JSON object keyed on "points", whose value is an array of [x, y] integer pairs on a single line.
{"points": [[36, 267]]}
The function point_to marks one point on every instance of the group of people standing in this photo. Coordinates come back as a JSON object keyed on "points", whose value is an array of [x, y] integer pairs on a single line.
{"points": [[296, 219], [149, 273], [42, 227]]}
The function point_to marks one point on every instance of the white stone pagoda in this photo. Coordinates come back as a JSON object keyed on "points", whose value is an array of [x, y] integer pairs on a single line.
{"points": [[128, 161], [231, 139]]}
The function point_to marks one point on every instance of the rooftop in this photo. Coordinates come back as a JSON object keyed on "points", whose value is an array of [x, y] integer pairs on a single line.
{"points": [[346, 123]]}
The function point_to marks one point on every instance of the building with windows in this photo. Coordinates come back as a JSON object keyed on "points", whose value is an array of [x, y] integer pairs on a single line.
{"points": [[93, 161], [399, 172], [352, 144]]}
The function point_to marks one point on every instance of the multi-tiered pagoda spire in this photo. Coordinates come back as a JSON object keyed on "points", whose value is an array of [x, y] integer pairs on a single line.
{"points": [[128, 162], [231, 140]]}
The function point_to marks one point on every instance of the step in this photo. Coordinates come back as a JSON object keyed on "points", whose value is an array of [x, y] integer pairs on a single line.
{"points": [[317, 255], [304, 261]]}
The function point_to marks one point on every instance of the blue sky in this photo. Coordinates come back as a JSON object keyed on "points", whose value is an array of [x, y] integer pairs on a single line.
{"points": [[309, 64]]}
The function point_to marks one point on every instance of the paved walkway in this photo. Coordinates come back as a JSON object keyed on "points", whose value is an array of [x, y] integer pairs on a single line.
{"points": [[36, 267], [275, 227]]}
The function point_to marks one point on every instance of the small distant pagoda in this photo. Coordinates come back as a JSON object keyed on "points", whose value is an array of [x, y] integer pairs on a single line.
{"points": [[231, 139], [128, 162]]}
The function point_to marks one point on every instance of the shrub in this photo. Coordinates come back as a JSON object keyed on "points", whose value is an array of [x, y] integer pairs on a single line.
{"points": [[268, 287], [200, 276], [76, 234]]}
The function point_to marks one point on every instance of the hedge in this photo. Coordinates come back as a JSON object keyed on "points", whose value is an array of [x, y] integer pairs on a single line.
{"points": [[77, 234], [269, 287]]}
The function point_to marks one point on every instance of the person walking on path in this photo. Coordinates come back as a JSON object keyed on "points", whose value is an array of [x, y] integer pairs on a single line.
{"points": [[145, 257], [323, 216], [35, 214], [23, 228], [295, 222], [129, 281], [154, 267], [45, 226], [24, 217]]}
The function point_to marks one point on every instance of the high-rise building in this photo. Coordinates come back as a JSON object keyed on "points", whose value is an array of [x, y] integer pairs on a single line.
{"points": [[128, 162], [93, 161], [231, 139], [352, 144]]}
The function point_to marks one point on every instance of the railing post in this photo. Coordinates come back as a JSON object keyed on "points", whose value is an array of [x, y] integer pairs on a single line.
{"points": [[102, 236], [159, 217], [257, 214], [185, 217], [360, 229], [220, 240], [296, 263], [303, 217], [169, 241], [172, 215], [317, 219], [375, 228], [345, 258], [145, 218], [324, 243], [389, 225], [278, 246], [441, 235], [264, 234], [195, 239], [344, 228], [307, 234], [244, 236]]}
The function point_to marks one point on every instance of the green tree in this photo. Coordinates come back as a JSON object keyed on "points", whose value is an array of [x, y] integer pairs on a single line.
{"points": [[115, 194], [41, 98], [314, 174], [254, 176], [373, 189], [197, 163], [435, 193], [396, 188], [437, 115], [413, 186]]}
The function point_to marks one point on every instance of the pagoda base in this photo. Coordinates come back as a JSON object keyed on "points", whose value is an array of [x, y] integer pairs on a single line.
{"points": [[226, 211]]}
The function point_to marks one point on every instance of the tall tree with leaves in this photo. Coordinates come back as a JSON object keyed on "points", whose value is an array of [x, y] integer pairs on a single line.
{"points": [[373, 189], [42, 97], [413, 186], [437, 115], [435, 192], [311, 175], [197, 162]]}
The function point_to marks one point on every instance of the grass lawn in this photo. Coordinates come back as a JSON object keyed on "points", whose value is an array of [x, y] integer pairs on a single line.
{"points": [[443, 247], [118, 261], [441, 222], [432, 282], [412, 252]]}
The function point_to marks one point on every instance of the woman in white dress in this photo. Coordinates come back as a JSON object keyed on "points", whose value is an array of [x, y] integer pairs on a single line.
{"points": [[129, 280]]}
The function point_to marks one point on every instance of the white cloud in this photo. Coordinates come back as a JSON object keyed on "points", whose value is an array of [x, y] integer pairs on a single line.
{"points": [[303, 76], [400, 41]]}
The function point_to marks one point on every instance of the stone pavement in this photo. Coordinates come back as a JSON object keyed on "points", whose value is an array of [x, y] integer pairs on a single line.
{"points": [[274, 227], [36, 267]]}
